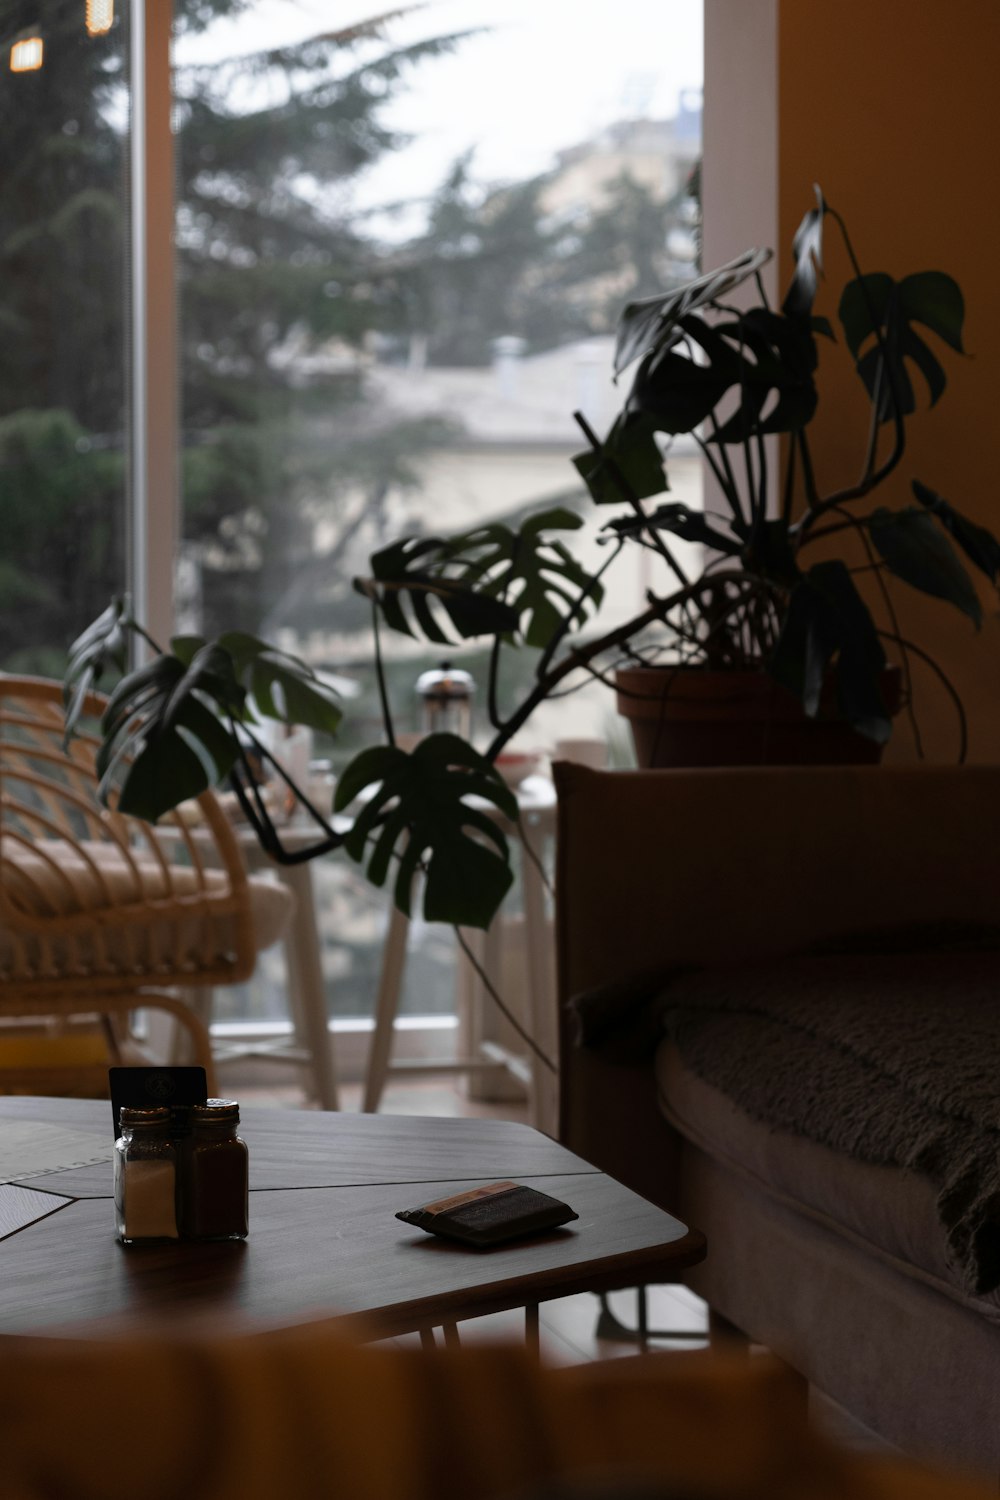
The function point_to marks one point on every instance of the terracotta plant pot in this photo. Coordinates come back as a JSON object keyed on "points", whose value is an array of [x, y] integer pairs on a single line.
{"points": [[686, 716]]}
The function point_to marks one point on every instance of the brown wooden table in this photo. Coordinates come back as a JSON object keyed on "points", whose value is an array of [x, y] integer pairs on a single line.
{"points": [[324, 1241]]}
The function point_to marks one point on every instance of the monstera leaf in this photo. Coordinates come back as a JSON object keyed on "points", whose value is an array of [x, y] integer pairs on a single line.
{"points": [[166, 730], [163, 739], [651, 324], [776, 356], [627, 466], [281, 685], [915, 548], [410, 570], [533, 574], [102, 645], [807, 247], [759, 355], [979, 545], [680, 520], [877, 303], [417, 811], [827, 622]]}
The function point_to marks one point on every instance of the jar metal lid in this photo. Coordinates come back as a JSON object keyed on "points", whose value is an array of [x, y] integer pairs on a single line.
{"points": [[157, 1115], [216, 1112]]}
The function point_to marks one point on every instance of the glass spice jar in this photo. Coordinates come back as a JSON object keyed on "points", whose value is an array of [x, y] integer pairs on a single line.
{"points": [[214, 1192], [145, 1177]]}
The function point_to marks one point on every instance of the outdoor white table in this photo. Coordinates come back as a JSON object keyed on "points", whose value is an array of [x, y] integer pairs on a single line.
{"points": [[536, 800], [311, 1042]]}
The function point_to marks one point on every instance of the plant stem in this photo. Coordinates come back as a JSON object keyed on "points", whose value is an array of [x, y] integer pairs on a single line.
{"points": [[493, 706], [581, 655], [504, 1010], [809, 478], [788, 499], [858, 522], [947, 684], [871, 480], [731, 488], [564, 628], [628, 494]]}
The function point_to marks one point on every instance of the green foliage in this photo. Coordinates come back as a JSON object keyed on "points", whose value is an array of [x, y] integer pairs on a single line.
{"points": [[825, 622], [917, 550], [878, 314], [418, 812], [164, 741], [742, 375], [102, 645], [532, 573], [410, 571]]}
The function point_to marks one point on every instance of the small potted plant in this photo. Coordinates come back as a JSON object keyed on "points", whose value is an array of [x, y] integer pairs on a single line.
{"points": [[792, 633]]}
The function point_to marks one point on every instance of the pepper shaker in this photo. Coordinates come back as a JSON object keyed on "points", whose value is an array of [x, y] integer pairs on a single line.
{"points": [[214, 1193]]}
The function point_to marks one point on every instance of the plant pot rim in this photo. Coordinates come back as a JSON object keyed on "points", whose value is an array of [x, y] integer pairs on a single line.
{"points": [[702, 693]]}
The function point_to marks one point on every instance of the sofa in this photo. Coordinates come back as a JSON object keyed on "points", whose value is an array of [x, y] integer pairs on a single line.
{"points": [[695, 906]]}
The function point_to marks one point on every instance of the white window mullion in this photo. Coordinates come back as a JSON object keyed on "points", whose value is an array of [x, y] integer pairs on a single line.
{"points": [[154, 498]]}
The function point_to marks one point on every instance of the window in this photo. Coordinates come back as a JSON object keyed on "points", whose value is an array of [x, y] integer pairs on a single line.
{"points": [[64, 238], [400, 250]]}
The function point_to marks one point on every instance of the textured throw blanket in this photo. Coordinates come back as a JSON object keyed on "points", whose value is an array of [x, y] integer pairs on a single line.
{"points": [[891, 1058]]}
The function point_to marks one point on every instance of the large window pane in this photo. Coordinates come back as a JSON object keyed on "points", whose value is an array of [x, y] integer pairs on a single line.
{"points": [[63, 282], [403, 248]]}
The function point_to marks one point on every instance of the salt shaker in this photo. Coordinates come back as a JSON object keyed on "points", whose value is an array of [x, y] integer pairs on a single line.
{"points": [[214, 1193], [145, 1177]]}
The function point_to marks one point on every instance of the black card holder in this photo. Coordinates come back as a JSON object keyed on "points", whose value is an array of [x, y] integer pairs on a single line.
{"points": [[489, 1215]]}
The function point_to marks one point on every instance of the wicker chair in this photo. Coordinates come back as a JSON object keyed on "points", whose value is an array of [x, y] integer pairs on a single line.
{"points": [[102, 914]]}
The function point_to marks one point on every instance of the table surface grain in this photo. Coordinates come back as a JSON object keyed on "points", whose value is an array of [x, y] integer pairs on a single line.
{"points": [[324, 1241]]}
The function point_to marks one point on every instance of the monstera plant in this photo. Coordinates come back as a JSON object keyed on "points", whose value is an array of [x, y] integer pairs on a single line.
{"points": [[730, 376]]}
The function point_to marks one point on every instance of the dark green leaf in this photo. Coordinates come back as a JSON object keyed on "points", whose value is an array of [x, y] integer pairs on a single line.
{"points": [[674, 392], [413, 569], [769, 554], [532, 573], [807, 247], [210, 672], [102, 645], [628, 465], [875, 307], [283, 686], [418, 813], [863, 304], [828, 623], [650, 325], [163, 743], [767, 357], [165, 773], [680, 520], [935, 299], [186, 647], [979, 545], [916, 550], [292, 692]]}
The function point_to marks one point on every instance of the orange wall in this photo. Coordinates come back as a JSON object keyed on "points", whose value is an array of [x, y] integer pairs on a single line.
{"points": [[891, 105]]}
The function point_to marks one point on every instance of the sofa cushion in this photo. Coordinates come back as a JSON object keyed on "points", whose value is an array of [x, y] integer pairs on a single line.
{"points": [[888, 1212], [891, 1059]]}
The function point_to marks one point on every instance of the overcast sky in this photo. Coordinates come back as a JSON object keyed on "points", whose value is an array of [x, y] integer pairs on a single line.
{"points": [[547, 74]]}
